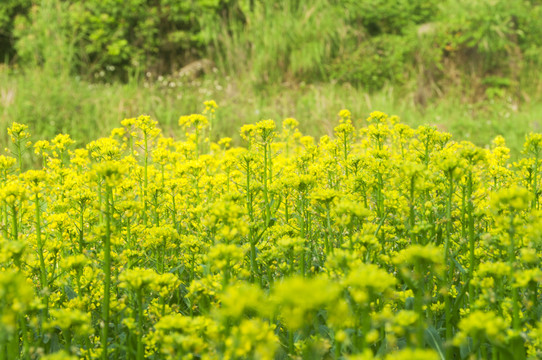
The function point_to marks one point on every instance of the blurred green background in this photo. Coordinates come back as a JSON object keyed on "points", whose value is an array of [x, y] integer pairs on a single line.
{"points": [[472, 68]]}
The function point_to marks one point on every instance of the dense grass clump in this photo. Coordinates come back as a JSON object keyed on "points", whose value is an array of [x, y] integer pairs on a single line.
{"points": [[381, 242]]}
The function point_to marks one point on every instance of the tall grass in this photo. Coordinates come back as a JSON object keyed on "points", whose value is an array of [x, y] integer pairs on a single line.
{"points": [[52, 103], [281, 40]]}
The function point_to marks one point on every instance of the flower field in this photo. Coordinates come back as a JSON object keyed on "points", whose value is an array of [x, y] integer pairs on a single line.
{"points": [[381, 242]]}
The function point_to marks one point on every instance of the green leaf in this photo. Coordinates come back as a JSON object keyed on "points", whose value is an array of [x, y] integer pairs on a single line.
{"points": [[517, 348], [70, 293], [409, 303], [465, 350], [433, 339]]}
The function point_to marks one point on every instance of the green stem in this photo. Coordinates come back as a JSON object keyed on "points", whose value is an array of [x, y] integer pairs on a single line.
{"points": [[472, 259], [129, 233], [253, 265], [291, 342], [345, 145], [302, 226], [197, 143], [174, 213], [19, 156], [5, 214], [68, 341], [139, 324], [146, 180], [535, 183], [43, 270], [81, 230], [266, 159], [534, 300], [412, 215], [337, 350], [449, 276], [13, 344], [14, 224], [27, 340], [328, 232], [163, 255], [107, 273], [100, 200], [512, 262], [3, 345]]}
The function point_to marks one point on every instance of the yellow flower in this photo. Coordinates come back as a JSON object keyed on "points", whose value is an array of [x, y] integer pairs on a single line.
{"points": [[377, 116], [210, 106], [195, 120], [512, 199], [18, 133], [60, 355], [481, 325], [298, 299], [71, 320], [111, 172], [138, 278], [254, 339], [13, 192]]}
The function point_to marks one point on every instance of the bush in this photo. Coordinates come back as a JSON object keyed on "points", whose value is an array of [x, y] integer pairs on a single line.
{"points": [[376, 61], [111, 38], [389, 17], [9, 9]]}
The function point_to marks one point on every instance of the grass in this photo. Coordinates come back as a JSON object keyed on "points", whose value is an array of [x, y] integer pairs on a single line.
{"points": [[270, 69], [52, 103]]}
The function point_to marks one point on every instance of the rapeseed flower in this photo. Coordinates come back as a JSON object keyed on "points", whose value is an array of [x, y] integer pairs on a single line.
{"points": [[349, 246]]}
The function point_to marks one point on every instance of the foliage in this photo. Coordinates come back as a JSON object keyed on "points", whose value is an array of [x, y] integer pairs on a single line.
{"points": [[9, 9], [282, 40], [377, 61], [390, 17], [364, 43], [87, 110], [112, 38]]}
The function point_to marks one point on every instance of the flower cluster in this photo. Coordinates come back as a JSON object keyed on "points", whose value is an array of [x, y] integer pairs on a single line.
{"points": [[382, 242]]}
